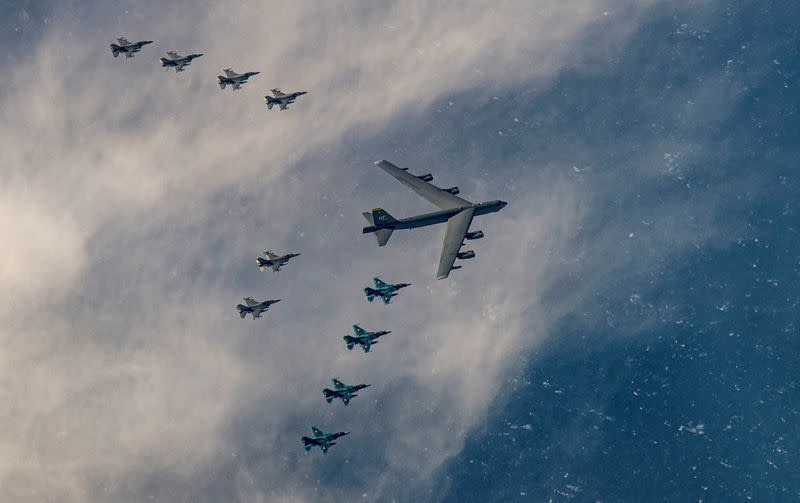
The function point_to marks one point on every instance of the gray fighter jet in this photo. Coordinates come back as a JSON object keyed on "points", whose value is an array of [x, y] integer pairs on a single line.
{"points": [[342, 391], [281, 99], [254, 307], [176, 61], [123, 46], [363, 338], [321, 439], [273, 261], [457, 212], [234, 79], [383, 290]]}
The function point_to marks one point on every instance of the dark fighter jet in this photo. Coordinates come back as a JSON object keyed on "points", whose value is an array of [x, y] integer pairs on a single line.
{"points": [[363, 338], [342, 391], [383, 290], [321, 439]]}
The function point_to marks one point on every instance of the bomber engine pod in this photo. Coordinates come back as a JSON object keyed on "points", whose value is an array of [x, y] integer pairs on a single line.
{"points": [[474, 235], [453, 190], [427, 177], [465, 255]]}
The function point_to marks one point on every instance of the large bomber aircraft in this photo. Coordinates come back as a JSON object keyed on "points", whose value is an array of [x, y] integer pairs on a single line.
{"points": [[321, 439], [176, 61], [457, 212], [234, 79], [123, 46]]}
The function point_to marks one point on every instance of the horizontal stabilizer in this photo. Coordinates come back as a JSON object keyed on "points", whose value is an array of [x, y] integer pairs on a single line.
{"points": [[383, 236]]}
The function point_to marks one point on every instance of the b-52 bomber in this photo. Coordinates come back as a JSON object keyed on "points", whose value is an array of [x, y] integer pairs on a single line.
{"points": [[383, 290], [457, 212], [363, 338], [321, 439], [234, 79], [273, 261], [281, 99], [254, 307], [123, 46], [178, 62], [342, 391]]}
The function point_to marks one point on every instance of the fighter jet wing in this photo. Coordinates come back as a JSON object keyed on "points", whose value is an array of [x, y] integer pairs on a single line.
{"points": [[358, 330], [432, 193], [230, 73], [237, 85], [338, 384], [457, 227], [277, 93], [316, 431], [123, 41], [173, 55], [181, 66], [283, 105]]}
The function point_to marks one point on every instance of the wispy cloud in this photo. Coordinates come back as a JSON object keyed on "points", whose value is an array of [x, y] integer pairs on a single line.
{"points": [[132, 197]]}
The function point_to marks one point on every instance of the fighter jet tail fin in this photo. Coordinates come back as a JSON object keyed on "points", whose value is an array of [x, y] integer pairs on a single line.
{"points": [[350, 341]]}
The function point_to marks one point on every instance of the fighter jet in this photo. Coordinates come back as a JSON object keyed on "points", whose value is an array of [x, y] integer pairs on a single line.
{"points": [[457, 212], [234, 79], [282, 99], [342, 391], [177, 61], [383, 290], [274, 261], [363, 338], [125, 47], [321, 439], [255, 307]]}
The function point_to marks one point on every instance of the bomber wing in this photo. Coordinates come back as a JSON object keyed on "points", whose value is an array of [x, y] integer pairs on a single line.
{"points": [[457, 227], [432, 193]]}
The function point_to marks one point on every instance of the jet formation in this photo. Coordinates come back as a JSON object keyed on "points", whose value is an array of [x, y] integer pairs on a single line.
{"points": [[254, 307], [234, 79], [176, 61], [363, 338], [383, 290], [342, 391], [123, 46], [281, 99], [273, 261], [457, 212]]}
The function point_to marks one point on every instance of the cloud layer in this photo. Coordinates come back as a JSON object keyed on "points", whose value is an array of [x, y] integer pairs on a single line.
{"points": [[135, 201]]}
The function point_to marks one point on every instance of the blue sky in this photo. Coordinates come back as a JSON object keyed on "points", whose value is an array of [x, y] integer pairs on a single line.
{"points": [[625, 333]]}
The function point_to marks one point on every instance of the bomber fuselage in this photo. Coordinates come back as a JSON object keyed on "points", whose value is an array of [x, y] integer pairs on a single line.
{"points": [[436, 217]]}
